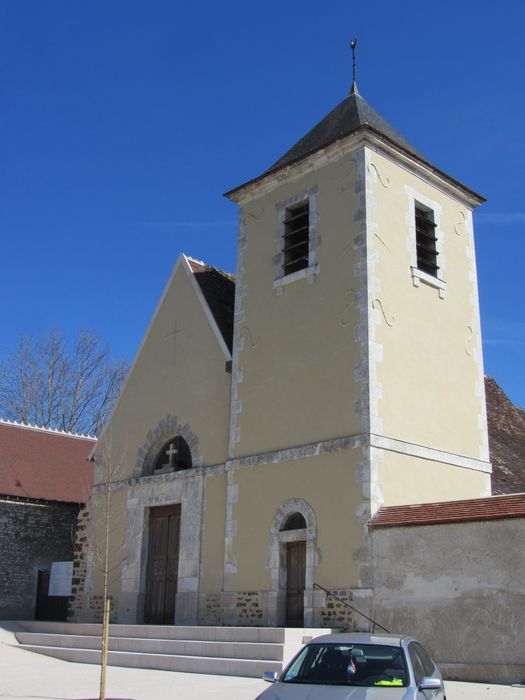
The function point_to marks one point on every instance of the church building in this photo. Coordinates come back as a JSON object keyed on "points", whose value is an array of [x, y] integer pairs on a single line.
{"points": [[269, 415]]}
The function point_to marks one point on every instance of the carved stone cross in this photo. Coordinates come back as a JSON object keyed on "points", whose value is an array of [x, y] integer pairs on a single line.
{"points": [[174, 332], [171, 452], [173, 335]]}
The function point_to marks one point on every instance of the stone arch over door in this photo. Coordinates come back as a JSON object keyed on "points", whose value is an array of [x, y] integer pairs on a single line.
{"points": [[279, 539], [157, 437]]}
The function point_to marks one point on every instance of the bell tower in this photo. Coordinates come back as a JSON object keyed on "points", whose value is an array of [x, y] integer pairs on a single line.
{"points": [[357, 375]]}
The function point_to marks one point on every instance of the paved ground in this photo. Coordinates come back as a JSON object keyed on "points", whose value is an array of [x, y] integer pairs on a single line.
{"points": [[28, 676]]}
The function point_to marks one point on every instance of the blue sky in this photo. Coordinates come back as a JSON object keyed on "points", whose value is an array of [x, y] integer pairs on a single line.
{"points": [[123, 122]]}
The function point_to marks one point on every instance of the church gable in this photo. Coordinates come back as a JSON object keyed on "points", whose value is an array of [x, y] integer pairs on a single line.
{"points": [[178, 385]]}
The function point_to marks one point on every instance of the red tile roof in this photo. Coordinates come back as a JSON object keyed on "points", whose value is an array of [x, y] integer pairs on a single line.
{"points": [[468, 510], [44, 464]]}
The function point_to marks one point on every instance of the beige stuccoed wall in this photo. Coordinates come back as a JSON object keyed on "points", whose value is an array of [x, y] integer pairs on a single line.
{"points": [[431, 371], [459, 589], [328, 483], [408, 479], [299, 351], [184, 377], [120, 540], [213, 530]]}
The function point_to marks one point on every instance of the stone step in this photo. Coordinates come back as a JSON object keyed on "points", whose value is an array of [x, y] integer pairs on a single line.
{"points": [[238, 651], [264, 651], [275, 635], [251, 668]]}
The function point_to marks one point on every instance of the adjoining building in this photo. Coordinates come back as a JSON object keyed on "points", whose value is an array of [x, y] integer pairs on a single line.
{"points": [[266, 419], [45, 478]]}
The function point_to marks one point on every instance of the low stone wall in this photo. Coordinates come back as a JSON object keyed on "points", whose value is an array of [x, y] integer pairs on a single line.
{"points": [[460, 589]]}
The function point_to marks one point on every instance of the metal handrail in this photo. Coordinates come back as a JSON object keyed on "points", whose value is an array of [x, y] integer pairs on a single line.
{"points": [[374, 623]]}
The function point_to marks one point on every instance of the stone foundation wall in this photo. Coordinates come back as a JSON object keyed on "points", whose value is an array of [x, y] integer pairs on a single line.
{"points": [[210, 609], [80, 548], [333, 613], [96, 608], [250, 611], [245, 609]]}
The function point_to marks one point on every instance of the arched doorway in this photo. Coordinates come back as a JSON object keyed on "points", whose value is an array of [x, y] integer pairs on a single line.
{"points": [[295, 572], [292, 555], [162, 570]]}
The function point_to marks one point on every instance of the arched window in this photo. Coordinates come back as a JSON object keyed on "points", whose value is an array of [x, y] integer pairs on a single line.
{"points": [[295, 521], [174, 456]]}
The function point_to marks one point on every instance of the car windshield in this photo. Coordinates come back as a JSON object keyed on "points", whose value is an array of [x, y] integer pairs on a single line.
{"points": [[349, 664]]}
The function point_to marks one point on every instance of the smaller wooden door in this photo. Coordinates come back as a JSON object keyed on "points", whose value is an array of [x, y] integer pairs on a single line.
{"points": [[295, 583], [163, 565]]}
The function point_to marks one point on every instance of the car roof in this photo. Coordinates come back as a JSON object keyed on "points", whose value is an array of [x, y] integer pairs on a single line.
{"points": [[360, 638]]}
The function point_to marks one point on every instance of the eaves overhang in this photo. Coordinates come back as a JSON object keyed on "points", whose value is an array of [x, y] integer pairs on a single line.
{"points": [[374, 137]]}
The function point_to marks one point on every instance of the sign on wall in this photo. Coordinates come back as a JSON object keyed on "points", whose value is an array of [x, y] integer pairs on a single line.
{"points": [[60, 578]]}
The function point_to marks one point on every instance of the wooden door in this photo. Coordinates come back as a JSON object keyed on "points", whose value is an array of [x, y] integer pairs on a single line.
{"points": [[295, 583], [163, 565]]}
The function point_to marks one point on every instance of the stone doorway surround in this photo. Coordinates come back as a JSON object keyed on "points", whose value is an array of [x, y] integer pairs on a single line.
{"points": [[146, 491], [277, 559], [185, 488]]}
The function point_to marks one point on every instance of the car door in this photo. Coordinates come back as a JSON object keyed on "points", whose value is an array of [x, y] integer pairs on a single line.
{"points": [[424, 667]]}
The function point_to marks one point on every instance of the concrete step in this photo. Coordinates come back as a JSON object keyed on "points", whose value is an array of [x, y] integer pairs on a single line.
{"points": [[251, 668], [238, 651], [275, 635]]}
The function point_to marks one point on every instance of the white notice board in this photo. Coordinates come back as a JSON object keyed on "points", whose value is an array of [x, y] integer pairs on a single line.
{"points": [[60, 578]]}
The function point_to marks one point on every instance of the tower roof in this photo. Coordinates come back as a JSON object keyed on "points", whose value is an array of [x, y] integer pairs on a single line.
{"points": [[350, 115], [353, 116]]}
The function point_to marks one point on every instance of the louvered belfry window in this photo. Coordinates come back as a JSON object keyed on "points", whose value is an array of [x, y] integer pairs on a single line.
{"points": [[426, 241], [296, 238]]}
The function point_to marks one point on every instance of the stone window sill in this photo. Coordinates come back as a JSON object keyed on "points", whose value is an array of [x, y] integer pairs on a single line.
{"points": [[306, 273], [419, 276]]}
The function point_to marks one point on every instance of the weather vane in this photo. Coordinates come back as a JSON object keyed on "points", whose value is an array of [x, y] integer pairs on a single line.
{"points": [[353, 44]]}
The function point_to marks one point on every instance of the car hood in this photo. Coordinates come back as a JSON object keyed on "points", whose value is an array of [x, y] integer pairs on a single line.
{"points": [[299, 691]]}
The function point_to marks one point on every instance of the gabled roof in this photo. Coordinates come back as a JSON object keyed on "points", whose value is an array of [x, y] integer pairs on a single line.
{"points": [[468, 510], [218, 288], [38, 463], [350, 115]]}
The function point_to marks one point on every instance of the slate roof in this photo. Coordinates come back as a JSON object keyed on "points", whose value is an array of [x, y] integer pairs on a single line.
{"points": [[468, 510], [50, 465], [506, 423], [218, 288], [350, 115]]}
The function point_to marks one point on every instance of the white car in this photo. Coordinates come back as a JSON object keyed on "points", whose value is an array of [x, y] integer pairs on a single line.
{"points": [[358, 667]]}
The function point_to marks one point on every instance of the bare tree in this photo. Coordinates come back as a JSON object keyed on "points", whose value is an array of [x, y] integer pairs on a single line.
{"points": [[47, 383], [111, 539]]}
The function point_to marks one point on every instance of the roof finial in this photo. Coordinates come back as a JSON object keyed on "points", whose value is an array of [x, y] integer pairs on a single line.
{"points": [[354, 90]]}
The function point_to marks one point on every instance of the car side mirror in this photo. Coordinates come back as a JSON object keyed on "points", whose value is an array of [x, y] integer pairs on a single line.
{"points": [[428, 683], [270, 677]]}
